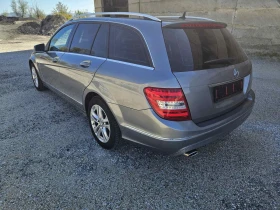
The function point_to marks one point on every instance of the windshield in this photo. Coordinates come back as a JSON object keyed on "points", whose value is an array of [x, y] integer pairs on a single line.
{"points": [[198, 49]]}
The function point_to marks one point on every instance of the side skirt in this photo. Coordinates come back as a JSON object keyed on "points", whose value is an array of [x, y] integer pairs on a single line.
{"points": [[78, 105]]}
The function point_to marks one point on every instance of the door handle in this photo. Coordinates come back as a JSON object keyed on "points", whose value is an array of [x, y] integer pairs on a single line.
{"points": [[85, 64], [55, 59]]}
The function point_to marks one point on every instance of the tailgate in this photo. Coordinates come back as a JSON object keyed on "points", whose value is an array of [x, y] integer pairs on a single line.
{"points": [[211, 67]]}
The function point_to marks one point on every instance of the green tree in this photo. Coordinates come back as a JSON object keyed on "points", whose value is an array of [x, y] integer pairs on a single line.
{"points": [[14, 7], [80, 13], [62, 9], [19, 7], [22, 8], [5, 13], [30, 12], [37, 12]]}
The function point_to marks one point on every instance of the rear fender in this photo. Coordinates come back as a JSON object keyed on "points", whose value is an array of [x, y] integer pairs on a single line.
{"points": [[107, 98]]}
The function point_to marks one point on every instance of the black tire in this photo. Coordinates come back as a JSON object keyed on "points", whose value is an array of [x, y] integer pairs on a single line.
{"points": [[40, 86], [115, 133]]}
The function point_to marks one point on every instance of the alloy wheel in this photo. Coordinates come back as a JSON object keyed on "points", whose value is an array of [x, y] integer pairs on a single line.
{"points": [[100, 123], [35, 77]]}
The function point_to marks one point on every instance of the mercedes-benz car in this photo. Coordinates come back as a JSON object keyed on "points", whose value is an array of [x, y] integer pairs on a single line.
{"points": [[170, 83]]}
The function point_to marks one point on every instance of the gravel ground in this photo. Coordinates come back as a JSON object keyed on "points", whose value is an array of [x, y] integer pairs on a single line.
{"points": [[48, 159]]}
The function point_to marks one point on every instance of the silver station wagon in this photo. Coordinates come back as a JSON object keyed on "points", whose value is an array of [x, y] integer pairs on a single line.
{"points": [[171, 83]]}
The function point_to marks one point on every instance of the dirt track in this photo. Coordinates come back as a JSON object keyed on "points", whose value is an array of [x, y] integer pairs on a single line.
{"points": [[11, 40]]}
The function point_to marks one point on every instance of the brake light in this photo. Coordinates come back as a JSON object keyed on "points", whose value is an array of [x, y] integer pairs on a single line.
{"points": [[204, 25], [197, 25], [168, 103]]}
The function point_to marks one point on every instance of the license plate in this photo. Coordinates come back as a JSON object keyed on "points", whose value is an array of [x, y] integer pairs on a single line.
{"points": [[223, 91]]}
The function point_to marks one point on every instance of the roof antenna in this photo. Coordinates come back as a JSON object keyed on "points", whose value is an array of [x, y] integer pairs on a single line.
{"points": [[183, 16]]}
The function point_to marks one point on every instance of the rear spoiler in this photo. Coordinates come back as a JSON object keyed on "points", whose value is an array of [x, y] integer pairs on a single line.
{"points": [[196, 24]]}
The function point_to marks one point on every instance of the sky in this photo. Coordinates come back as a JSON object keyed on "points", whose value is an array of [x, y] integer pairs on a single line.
{"points": [[48, 5]]}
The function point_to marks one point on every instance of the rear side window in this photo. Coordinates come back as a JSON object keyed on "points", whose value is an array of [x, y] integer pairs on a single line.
{"points": [[127, 45], [83, 38], [100, 46], [198, 49], [60, 39]]}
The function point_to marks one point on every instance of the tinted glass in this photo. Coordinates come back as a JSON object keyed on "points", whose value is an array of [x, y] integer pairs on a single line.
{"points": [[198, 49], [100, 46], [83, 38], [60, 39], [127, 45]]}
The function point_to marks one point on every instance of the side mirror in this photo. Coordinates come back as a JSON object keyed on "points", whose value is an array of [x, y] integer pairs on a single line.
{"points": [[39, 48]]}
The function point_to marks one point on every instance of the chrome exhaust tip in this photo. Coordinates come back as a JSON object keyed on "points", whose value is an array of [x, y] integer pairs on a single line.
{"points": [[191, 153]]}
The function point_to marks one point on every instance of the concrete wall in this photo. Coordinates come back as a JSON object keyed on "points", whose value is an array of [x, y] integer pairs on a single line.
{"points": [[98, 4], [255, 23]]}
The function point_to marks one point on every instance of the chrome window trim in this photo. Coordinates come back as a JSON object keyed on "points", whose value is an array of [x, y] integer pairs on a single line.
{"points": [[113, 22], [100, 58], [131, 64]]}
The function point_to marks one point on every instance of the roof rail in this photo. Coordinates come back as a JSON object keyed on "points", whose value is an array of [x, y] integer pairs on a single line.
{"points": [[185, 17], [112, 14]]}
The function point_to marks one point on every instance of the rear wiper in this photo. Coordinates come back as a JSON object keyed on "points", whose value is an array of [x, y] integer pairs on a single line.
{"points": [[221, 61]]}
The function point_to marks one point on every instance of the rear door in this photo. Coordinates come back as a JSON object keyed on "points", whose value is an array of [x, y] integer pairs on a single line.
{"points": [[49, 62], [127, 68], [88, 51], [209, 64]]}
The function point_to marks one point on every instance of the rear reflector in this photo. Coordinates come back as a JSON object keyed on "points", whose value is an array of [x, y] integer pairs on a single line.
{"points": [[168, 103]]}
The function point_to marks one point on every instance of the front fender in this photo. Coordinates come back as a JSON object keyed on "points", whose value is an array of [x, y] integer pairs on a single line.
{"points": [[33, 60]]}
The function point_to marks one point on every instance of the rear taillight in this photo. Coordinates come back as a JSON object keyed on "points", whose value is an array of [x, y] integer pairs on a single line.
{"points": [[168, 103]]}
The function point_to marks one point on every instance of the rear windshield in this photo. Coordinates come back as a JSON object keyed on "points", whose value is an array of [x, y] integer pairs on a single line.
{"points": [[198, 49]]}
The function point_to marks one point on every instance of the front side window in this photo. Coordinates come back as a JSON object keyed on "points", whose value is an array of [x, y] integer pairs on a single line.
{"points": [[83, 38], [60, 39], [127, 45]]}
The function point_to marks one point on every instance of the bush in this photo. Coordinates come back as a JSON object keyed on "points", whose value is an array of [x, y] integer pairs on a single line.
{"points": [[3, 17], [61, 9], [5, 13], [36, 12], [80, 13]]}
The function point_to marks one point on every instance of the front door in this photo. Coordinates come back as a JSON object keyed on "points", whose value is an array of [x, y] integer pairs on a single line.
{"points": [[49, 62], [83, 59]]}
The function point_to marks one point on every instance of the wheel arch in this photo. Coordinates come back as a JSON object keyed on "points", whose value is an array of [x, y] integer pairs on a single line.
{"points": [[32, 61], [88, 97], [114, 108]]}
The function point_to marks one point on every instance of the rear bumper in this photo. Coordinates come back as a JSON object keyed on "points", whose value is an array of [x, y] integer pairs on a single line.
{"points": [[175, 138]]}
